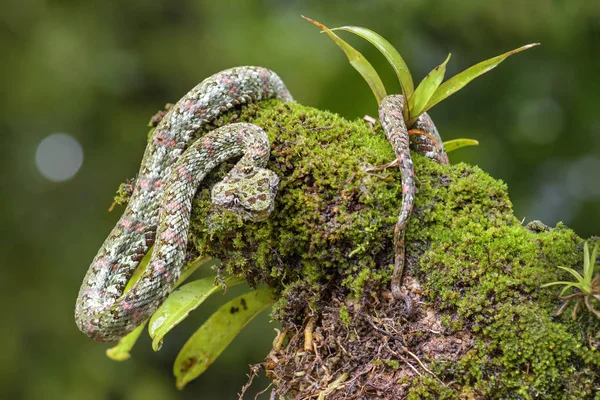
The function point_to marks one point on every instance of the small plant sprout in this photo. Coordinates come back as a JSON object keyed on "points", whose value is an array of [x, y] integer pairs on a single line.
{"points": [[429, 92], [587, 287]]}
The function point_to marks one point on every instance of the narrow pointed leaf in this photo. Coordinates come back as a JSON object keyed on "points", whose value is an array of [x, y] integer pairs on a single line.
{"points": [[188, 269], [460, 80], [191, 267], [559, 283], [137, 274], [209, 341], [574, 273], [122, 350], [389, 52], [588, 265], [427, 87], [594, 257], [562, 292], [456, 144], [180, 303], [358, 61]]}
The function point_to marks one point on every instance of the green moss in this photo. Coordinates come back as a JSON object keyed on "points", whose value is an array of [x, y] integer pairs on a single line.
{"points": [[427, 388], [394, 364], [331, 233], [344, 316], [331, 220]]}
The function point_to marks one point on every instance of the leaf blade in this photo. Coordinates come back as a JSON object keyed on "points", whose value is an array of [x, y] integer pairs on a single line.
{"points": [[423, 92], [576, 274], [389, 52], [358, 61], [456, 144], [594, 257], [588, 264], [180, 303], [461, 79], [559, 283], [122, 350], [209, 341]]}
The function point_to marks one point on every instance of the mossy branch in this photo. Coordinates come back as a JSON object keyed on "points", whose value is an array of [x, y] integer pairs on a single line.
{"points": [[484, 327]]}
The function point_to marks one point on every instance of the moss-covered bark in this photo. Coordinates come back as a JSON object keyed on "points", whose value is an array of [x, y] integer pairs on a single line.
{"points": [[484, 328]]}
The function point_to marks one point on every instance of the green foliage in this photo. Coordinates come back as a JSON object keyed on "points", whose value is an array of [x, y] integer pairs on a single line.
{"points": [[391, 55], [533, 353], [430, 91], [122, 350], [460, 80], [587, 285], [180, 303], [209, 341], [358, 61], [418, 102], [456, 144], [426, 387], [344, 316], [484, 267], [176, 308]]}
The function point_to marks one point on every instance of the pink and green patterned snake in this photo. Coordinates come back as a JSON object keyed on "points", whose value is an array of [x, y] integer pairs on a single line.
{"points": [[172, 169]]}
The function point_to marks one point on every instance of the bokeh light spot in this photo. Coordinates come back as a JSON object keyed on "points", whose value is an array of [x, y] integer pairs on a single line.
{"points": [[58, 157]]}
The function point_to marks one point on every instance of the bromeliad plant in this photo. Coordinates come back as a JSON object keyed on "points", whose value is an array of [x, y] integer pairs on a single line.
{"points": [[587, 287], [429, 92]]}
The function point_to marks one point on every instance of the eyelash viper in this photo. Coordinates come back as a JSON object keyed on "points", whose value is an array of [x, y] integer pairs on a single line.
{"points": [[171, 171]]}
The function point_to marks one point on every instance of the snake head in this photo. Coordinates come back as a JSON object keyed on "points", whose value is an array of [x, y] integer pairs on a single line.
{"points": [[250, 194]]}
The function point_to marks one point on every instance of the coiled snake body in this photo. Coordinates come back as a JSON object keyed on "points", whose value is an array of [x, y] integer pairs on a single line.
{"points": [[171, 171]]}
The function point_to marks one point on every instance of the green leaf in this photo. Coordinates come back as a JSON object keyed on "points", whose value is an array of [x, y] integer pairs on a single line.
{"points": [[358, 61], [191, 267], [456, 144], [460, 80], [390, 53], [568, 285], [559, 283], [576, 274], [187, 270], [122, 350], [427, 87], [180, 303], [139, 271], [209, 341], [594, 257], [562, 292], [588, 264]]}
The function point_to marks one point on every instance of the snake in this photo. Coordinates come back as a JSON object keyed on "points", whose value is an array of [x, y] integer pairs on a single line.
{"points": [[173, 167]]}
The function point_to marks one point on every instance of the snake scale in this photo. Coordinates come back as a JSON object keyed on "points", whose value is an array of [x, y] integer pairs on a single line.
{"points": [[173, 167]]}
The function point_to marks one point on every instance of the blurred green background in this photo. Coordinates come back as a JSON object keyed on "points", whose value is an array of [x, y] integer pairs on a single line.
{"points": [[96, 71]]}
